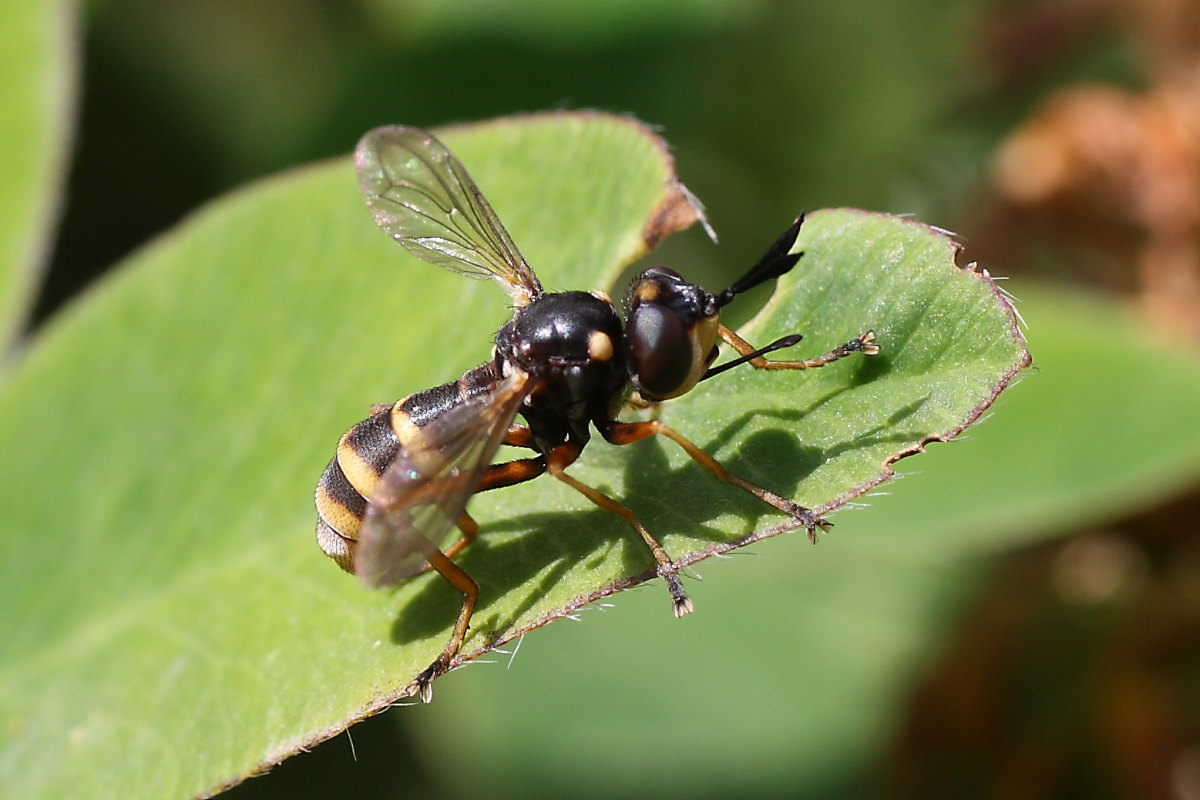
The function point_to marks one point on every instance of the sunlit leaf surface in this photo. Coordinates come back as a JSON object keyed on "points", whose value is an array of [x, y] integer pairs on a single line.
{"points": [[175, 626], [804, 656]]}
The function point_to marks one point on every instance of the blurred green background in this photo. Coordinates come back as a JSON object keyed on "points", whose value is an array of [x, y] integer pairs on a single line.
{"points": [[1061, 141]]}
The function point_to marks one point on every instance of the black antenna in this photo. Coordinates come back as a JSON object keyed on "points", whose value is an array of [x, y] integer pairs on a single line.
{"points": [[778, 344], [775, 262]]}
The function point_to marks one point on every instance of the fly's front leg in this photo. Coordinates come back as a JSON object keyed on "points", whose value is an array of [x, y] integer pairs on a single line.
{"points": [[863, 343], [629, 432], [635, 400], [563, 456]]}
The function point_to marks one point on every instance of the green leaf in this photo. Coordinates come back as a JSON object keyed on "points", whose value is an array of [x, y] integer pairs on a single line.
{"points": [[797, 664], [172, 623], [177, 628], [1102, 428], [37, 58], [834, 629], [799, 661]]}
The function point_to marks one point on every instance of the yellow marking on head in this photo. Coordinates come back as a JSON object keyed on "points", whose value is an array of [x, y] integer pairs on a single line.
{"points": [[704, 337], [600, 295], [646, 291], [600, 346]]}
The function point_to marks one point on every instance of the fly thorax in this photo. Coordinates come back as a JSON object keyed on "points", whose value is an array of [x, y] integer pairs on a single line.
{"points": [[570, 343]]}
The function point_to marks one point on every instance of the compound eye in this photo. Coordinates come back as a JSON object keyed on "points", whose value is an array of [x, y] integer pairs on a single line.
{"points": [[660, 351], [671, 334]]}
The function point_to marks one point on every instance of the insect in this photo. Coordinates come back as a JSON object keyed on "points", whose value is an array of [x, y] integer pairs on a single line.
{"points": [[566, 362]]}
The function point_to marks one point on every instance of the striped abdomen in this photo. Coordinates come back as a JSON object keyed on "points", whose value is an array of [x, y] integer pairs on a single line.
{"points": [[366, 450]]}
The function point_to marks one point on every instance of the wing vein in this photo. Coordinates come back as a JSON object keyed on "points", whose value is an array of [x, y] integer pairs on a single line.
{"points": [[423, 197]]}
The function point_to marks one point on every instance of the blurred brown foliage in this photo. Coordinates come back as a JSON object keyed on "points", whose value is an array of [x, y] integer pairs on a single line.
{"points": [[1112, 172], [1074, 676], [1078, 672]]}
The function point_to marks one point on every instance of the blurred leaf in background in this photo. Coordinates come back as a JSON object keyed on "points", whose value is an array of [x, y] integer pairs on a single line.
{"points": [[38, 58], [984, 608]]}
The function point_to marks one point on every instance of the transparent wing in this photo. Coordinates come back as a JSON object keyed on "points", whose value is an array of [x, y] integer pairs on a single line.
{"points": [[424, 491], [422, 196]]}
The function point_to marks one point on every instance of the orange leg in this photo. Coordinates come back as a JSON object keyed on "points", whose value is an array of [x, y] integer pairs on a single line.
{"points": [[469, 528], [497, 475], [519, 436], [460, 580], [629, 432], [864, 343], [563, 456], [511, 473]]}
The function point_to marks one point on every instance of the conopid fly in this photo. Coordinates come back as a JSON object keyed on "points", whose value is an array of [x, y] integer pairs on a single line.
{"points": [[566, 361]]}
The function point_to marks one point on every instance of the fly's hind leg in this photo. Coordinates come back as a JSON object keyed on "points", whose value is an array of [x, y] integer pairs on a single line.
{"points": [[422, 686], [863, 343], [469, 529], [497, 475], [519, 436], [563, 456], [629, 432]]}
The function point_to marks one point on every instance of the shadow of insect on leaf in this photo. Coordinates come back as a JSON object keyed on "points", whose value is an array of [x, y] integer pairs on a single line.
{"points": [[501, 568], [869, 370], [875, 436], [515, 572]]}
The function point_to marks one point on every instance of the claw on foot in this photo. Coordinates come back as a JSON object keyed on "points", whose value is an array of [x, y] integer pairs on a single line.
{"points": [[812, 522], [818, 525], [866, 344], [682, 604], [422, 685]]}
